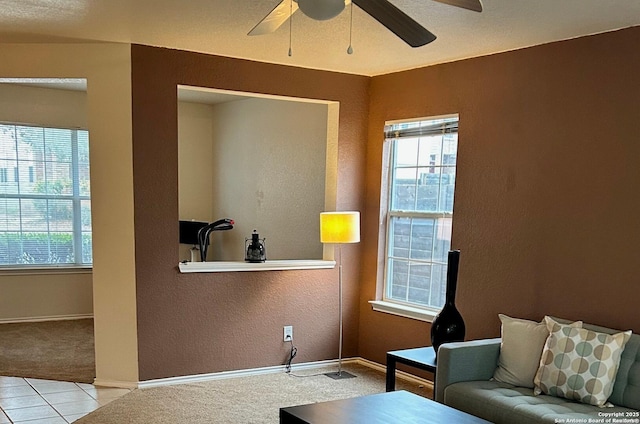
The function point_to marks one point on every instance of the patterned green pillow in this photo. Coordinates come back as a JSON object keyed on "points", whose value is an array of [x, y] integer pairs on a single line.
{"points": [[579, 364]]}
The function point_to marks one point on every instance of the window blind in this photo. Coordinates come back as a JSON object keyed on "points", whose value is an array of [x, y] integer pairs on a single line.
{"points": [[420, 129]]}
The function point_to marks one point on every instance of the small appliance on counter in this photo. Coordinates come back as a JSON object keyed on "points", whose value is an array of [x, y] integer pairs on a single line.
{"points": [[255, 248], [197, 233], [203, 234], [189, 235]]}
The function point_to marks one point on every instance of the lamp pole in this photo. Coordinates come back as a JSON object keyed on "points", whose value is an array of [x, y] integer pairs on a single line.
{"points": [[338, 228], [340, 313]]}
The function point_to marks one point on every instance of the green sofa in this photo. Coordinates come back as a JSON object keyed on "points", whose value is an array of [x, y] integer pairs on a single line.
{"points": [[464, 381]]}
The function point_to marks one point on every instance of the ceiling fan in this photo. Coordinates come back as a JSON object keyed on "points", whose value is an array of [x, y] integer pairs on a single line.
{"points": [[383, 11]]}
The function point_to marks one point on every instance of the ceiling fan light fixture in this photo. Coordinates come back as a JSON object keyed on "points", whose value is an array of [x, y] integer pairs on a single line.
{"points": [[321, 10]]}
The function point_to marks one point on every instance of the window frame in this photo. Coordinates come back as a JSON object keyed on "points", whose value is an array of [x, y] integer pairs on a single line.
{"points": [[385, 303], [75, 197]]}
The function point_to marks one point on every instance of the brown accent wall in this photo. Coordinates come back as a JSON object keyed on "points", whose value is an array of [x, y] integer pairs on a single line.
{"points": [[545, 212], [201, 323], [546, 204]]}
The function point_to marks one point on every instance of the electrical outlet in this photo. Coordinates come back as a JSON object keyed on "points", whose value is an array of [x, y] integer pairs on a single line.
{"points": [[288, 333]]}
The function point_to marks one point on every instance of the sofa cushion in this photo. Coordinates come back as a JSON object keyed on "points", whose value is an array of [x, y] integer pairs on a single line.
{"points": [[503, 403], [520, 350], [579, 364]]}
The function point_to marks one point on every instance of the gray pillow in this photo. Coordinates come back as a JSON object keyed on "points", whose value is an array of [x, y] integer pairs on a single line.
{"points": [[521, 349]]}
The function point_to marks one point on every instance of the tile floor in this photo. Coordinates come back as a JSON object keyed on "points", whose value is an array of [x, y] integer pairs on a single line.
{"points": [[34, 401]]}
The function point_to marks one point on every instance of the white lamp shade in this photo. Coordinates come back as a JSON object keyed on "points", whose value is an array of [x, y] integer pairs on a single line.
{"points": [[321, 10], [340, 227]]}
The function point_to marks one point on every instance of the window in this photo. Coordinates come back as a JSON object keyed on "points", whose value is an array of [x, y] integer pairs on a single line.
{"points": [[45, 212], [422, 171]]}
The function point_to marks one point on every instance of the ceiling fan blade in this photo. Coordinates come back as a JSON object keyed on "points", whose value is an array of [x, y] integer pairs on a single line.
{"points": [[275, 18], [397, 22], [474, 5]]}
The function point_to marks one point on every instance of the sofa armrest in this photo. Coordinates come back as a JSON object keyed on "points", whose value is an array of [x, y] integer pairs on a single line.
{"points": [[465, 361]]}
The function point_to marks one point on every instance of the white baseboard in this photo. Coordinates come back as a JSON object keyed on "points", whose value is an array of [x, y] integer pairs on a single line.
{"points": [[236, 373], [45, 318], [259, 371], [114, 383]]}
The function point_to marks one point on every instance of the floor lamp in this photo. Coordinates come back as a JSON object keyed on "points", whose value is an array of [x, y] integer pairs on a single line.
{"points": [[338, 228]]}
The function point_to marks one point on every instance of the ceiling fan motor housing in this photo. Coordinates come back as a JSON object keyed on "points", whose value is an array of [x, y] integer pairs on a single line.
{"points": [[383, 11], [321, 10]]}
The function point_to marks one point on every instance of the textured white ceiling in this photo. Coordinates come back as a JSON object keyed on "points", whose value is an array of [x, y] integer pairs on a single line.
{"points": [[220, 27]]}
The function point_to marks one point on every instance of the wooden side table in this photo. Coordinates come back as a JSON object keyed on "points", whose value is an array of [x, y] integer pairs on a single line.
{"points": [[423, 358]]}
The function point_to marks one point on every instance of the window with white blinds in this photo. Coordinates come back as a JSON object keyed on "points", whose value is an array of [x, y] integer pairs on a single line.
{"points": [[422, 172], [45, 202]]}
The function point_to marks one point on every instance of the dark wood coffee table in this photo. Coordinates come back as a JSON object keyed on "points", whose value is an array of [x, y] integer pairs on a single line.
{"points": [[399, 407]]}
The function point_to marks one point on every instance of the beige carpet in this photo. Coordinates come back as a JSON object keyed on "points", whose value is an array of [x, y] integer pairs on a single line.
{"points": [[51, 350], [254, 400]]}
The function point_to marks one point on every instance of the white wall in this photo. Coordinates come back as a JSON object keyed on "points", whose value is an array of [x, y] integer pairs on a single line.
{"points": [[195, 165], [267, 172], [43, 106], [44, 295], [26, 297], [107, 68]]}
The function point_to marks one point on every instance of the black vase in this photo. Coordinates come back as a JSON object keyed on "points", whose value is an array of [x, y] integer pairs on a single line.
{"points": [[448, 325]]}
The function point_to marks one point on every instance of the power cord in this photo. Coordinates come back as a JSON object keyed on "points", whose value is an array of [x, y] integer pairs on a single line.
{"points": [[292, 354]]}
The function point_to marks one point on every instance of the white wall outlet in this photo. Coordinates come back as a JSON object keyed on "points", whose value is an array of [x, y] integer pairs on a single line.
{"points": [[288, 333]]}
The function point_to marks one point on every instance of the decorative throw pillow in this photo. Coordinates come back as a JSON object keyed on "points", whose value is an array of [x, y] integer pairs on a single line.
{"points": [[579, 364], [520, 350]]}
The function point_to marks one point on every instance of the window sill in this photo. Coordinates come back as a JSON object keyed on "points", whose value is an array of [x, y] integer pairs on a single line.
{"points": [[403, 310], [44, 270], [279, 265]]}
